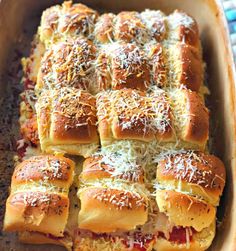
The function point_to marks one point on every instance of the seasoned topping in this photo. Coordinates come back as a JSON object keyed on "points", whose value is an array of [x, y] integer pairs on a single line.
{"points": [[47, 203], [104, 28], [194, 167], [178, 18], [73, 108], [155, 22], [135, 110], [68, 64], [158, 62], [120, 199], [112, 165], [59, 23], [43, 168], [129, 63], [77, 19], [129, 27]]}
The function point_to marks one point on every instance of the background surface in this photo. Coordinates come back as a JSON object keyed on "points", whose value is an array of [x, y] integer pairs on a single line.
{"points": [[230, 11]]}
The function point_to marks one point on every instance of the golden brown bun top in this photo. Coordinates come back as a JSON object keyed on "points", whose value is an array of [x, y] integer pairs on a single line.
{"points": [[99, 167], [44, 167], [184, 28], [129, 27], [185, 210], [130, 67], [39, 202], [72, 112], [156, 23], [116, 198], [191, 117], [104, 28], [69, 19], [77, 18], [192, 67], [68, 64], [198, 168], [198, 129], [133, 108]]}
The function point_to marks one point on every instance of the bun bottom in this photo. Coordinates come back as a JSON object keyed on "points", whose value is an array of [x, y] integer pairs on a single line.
{"points": [[101, 244], [39, 238], [201, 241]]}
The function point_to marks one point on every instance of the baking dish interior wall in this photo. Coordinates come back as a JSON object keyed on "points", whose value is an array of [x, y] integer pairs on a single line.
{"points": [[14, 15]]}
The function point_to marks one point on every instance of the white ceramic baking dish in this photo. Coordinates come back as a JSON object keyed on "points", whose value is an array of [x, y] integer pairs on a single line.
{"points": [[18, 21]]}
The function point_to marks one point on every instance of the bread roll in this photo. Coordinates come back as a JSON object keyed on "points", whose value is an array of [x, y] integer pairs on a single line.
{"points": [[194, 173], [129, 114], [67, 122], [155, 22], [185, 66], [99, 167], [129, 27], [121, 199], [39, 195], [190, 118], [121, 66], [188, 188], [104, 28], [60, 22], [147, 72], [68, 64], [183, 28]]}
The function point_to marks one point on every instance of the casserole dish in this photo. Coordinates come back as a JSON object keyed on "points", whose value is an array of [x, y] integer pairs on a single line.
{"points": [[19, 22]]}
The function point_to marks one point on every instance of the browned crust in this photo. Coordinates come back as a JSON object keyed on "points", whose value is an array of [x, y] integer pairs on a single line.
{"points": [[197, 129], [104, 28], [123, 210], [115, 199], [77, 18], [191, 66], [75, 120], [68, 19], [46, 168], [188, 34], [128, 26], [134, 119], [39, 202], [36, 211], [155, 23], [205, 170], [130, 68], [67, 64], [191, 212], [70, 116], [94, 168]]}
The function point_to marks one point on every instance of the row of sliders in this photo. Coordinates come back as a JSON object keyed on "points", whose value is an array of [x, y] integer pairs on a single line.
{"points": [[82, 65], [88, 55], [73, 122], [187, 188]]}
